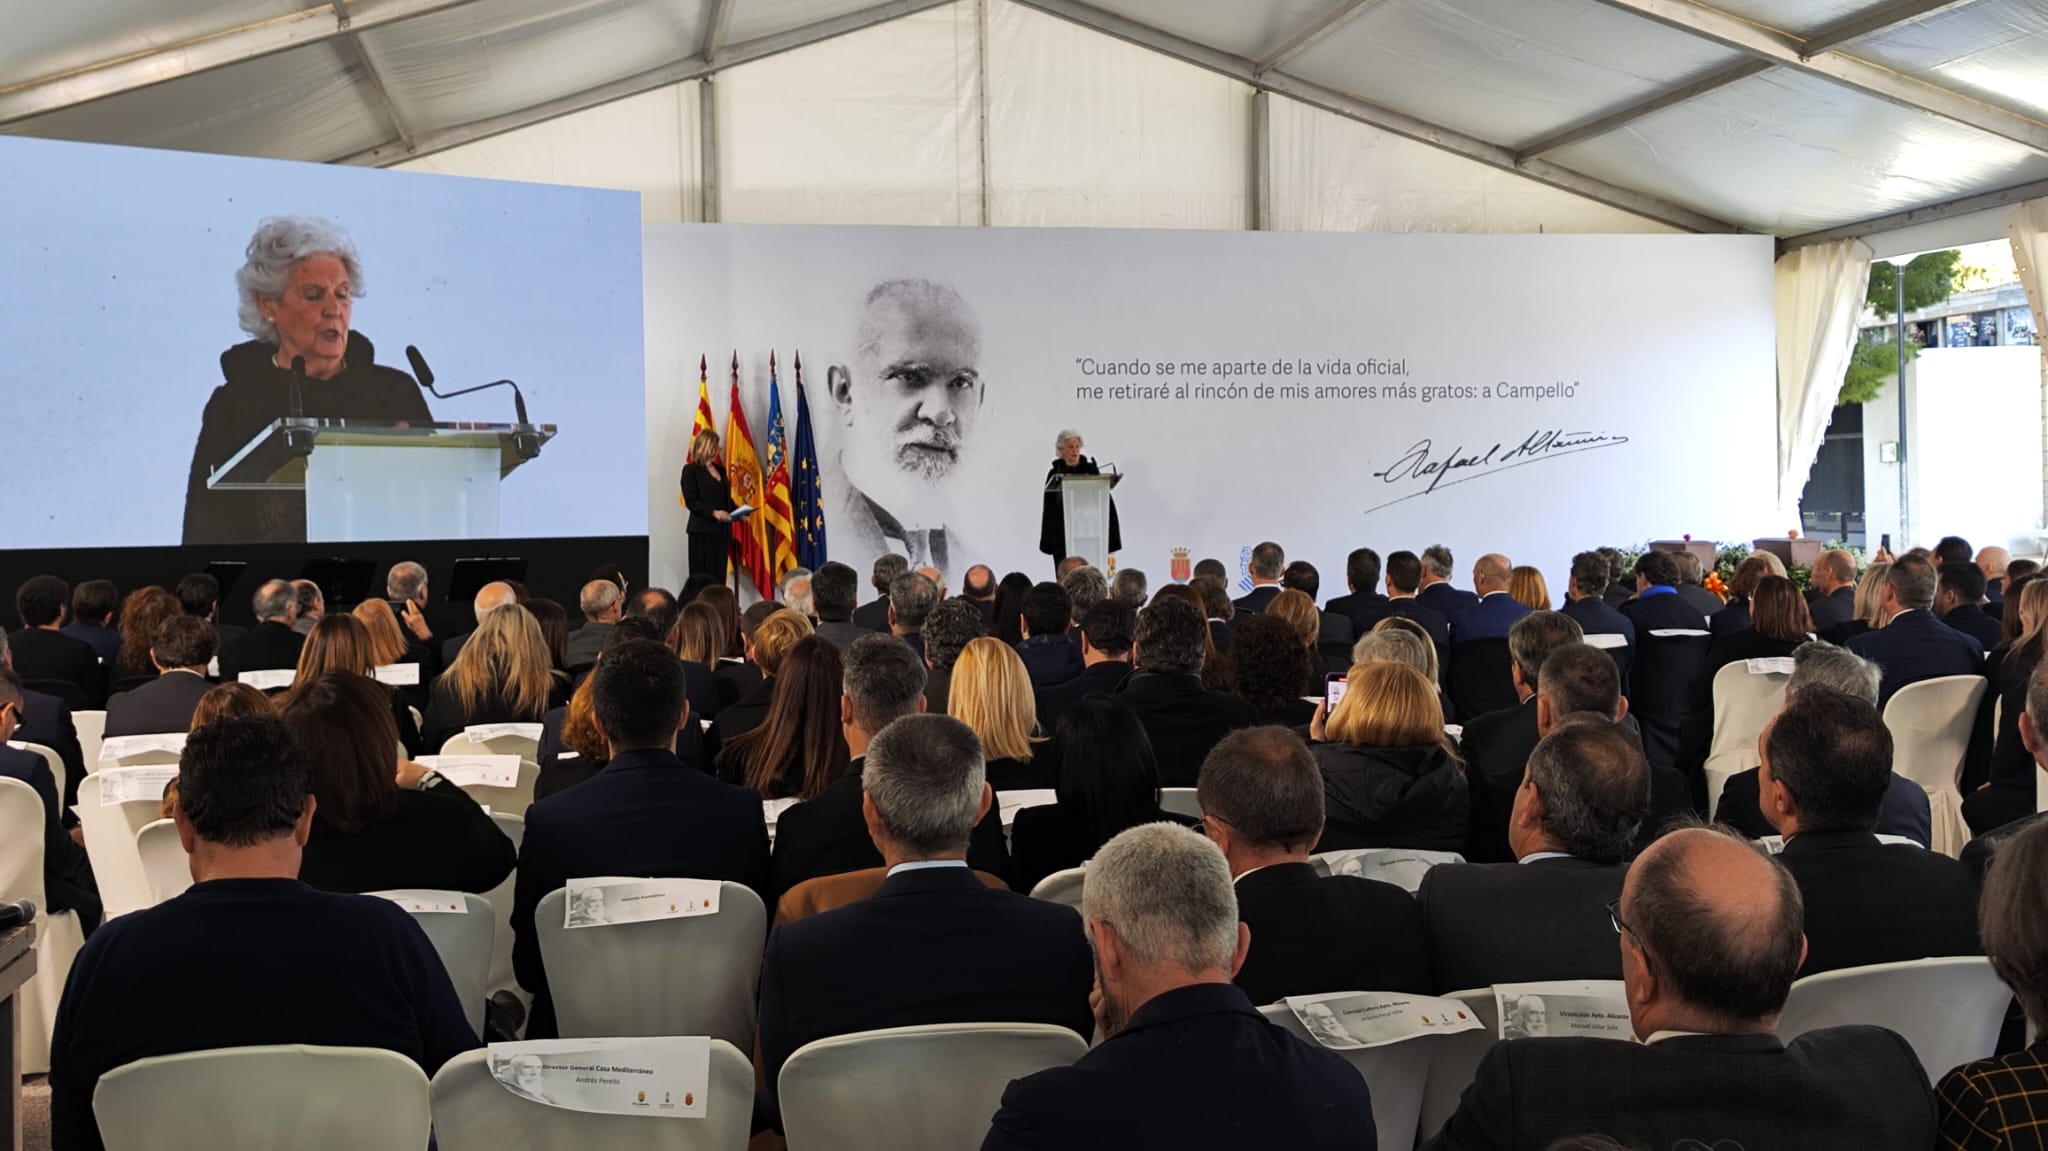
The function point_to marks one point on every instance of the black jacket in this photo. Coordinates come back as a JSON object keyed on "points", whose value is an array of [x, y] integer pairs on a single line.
{"points": [[445, 716], [1915, 646], [827, 835], [1596, 616], [1052, 523], [1315, 933], [1493, 923], [1391, 797], [164, 704], [1496, 748], [1195, 1069], [1869, 902], [67, 875], [1050, 660], [1971, 620], [1054, 701], [269, 646], [257, 392], [734, 720], [1049, 838], [873, 615], [53, 657], [1183, 719], [47, 721], [703, 494], [1832, 610], [438, 839]]}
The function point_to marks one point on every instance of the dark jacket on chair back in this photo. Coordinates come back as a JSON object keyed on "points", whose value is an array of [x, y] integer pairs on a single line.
{"points": [[1184, 720], [1520, 922], [1391, 797], [1316, 933]]}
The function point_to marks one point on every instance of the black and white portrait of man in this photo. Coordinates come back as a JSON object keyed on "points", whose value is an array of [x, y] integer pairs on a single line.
{"points": [[907, 406]]}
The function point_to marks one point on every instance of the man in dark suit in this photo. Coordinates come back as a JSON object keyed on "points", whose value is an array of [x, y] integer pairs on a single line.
{"points": [[1657, 605], [1913, 645], [199, 595], [1959, 601], [647, 813], [1827, 759], [488, 598], [1594, 615], [826, 834], [1691, 588], [834, 590], [1185, 1060], [2033, 724], [1262, 804], [912, 596], [1583, 796], [951, 626], [1404, 576], [1435, 590], [602, 605], [1710, 943], [1495, 611], [1105, 661], [1364, 605], [184, 646], [67, 875], [1049, 656], [934, 944], [1268, 562], [93, 604], [42, 652], [273, 643], [1183, 718], [1831, 598], [1496, 745], [874, 615], [1334, 633]]}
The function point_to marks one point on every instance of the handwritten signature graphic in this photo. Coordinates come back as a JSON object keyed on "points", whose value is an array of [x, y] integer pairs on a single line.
{"points": [[1420, 465]]}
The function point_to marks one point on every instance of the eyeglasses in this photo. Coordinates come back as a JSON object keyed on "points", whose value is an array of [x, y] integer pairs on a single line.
{"points": [[1614, 915]]}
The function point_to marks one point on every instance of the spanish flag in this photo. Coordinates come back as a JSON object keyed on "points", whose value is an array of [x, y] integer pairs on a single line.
{"points": [[775, 504], [743, 474], [703, 422]]}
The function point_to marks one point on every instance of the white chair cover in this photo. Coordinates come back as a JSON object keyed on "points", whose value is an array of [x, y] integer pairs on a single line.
{"points": [[92, 729], [1180, 801], [164, 862], [1949, 1010], [1062, 887], [501, 979], [1930, 723], [1403, 867], [473, 1112], [515, 799], [110, 843], [1455, 1059], [1397, 1074], [50, 757], [262, 1098], [691, 976], [1743, 703], [464, 944], [58, 935], [929, 1088]]}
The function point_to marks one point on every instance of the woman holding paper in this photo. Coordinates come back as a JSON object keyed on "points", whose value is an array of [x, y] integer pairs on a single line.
{"points": [[709, 498], [376, 829]]}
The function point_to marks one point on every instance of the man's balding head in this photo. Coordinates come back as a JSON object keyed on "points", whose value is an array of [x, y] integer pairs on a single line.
{"points": [[1835, 568], [1490, 573], [599, 601], [1992, 562], [980, 583], [1714, 934], [493, 596]]}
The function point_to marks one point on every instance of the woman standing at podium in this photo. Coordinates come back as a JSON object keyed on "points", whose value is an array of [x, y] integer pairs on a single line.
{"points": [[709, 499], [298, 284], [1052, 528]]}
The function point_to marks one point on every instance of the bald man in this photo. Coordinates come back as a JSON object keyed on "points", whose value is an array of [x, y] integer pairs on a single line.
{"points": [[1831, 597], [1496, 610], [907, 405], [1992, 562], [1711, 937], [495, 594]]}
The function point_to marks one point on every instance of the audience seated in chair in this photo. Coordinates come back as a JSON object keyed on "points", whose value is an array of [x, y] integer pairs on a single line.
{"points": [[765, 645], [67, 874], [1959, 601], [1997, 1103], [1588, 607], [248, 955], [951, 626], [800, 749], [182, 648], [933, 944], [1185, 1060], [1049, 654], [1388, 776], [1831, 595], [1496, 746], [501, 675], [1183, 719], [1913, 644], [93, 604], [1106, 780], [1978, 853], [991, 694], [1583, 795], [1262, 805], [1105, 661], [1433, 586], [43, 653], [602, 603], [1271, 670], [274, 643], [1495, 611], [1710, 941]]}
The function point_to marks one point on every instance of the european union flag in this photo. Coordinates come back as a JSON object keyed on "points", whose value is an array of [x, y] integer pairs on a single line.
{"points": [[807, 494]]}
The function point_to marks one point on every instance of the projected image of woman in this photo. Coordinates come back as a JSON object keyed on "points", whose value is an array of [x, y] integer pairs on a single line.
{"points": [[298, 285]]}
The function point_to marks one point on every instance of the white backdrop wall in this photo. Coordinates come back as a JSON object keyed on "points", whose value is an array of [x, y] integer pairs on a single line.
{"points": [[1215, 475]]}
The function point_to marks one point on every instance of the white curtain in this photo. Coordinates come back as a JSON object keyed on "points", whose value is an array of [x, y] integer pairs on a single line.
{"points": [[1820, 292], [2029, 233]]}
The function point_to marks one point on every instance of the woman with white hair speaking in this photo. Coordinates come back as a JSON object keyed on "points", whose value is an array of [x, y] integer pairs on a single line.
{"points": [[1052, 528], [298, 284]]}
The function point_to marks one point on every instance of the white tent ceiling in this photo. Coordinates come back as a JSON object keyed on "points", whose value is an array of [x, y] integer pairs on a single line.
{"points": [[1799, 118]]}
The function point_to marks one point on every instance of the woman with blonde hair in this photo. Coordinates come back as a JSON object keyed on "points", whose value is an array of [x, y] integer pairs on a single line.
{"points": [[342, 643], [502, 675], [709, 498], [380, 626], [1526, 587], [1869, 609], [800, 747], [1389, 779], [992, 694]]}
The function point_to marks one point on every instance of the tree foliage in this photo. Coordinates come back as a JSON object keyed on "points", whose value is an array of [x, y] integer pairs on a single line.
{"points": [[1869, 368], [1930, 279]]}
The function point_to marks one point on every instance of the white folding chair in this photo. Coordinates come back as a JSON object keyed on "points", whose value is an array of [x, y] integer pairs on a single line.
{"points": [[164, 862], [110, 833], [1949, 1010], [692, 976], [1455, 1060], [1180, 801], [92, 729], [1397, 1074], [251, 1098], [929, 1088], [515, 799], [1930, 723], [519, 745], [474, 1112], [464, 944], [501, 978], [50, 757], [59, 935], [1744, 701], [1062, 887], [1403, 867]]}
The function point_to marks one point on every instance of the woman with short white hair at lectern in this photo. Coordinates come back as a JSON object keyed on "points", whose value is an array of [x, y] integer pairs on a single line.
{"points": [[298, 284], [1052, 527]]}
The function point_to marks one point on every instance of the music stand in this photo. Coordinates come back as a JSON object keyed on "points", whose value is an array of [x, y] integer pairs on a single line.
{"points": [[343, 582], [471, 574]]}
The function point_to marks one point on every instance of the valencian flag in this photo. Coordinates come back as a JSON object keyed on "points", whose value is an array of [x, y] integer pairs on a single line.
{"points": [[703, 422], [808, 502], [775, 499], [743, 473]]}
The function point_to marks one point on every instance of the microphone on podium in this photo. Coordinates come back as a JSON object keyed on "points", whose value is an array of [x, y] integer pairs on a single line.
{"points": [[524, 442]]}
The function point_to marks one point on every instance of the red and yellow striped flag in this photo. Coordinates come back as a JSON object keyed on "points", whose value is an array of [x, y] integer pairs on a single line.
{"points": [[743, 474]]}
